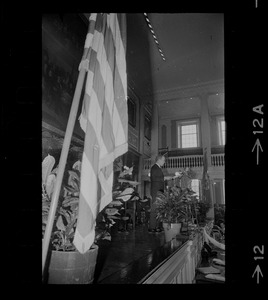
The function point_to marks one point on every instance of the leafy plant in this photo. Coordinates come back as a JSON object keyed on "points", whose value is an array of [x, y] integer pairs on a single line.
{"points": [[62, 237], [219, 213], [116, 211], [172, 205], [48, 181], [67, 213], [202, 208]]}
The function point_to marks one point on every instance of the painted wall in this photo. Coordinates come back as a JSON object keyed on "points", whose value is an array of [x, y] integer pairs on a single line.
{"points": [[63, 38]]}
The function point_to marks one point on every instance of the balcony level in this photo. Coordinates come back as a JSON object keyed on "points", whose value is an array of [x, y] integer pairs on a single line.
{"points": [[175, 163]]}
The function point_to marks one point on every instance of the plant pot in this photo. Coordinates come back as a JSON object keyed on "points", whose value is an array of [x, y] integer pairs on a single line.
{"points": [[171, 230], [72, 267]]}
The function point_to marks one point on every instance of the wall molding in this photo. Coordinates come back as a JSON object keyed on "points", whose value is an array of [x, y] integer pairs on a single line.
{"points": [[208, 88]]}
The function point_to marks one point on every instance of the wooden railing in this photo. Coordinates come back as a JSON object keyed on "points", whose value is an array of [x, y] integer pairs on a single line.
{"points": [[191, 161], [180, 267], [217, 160]]}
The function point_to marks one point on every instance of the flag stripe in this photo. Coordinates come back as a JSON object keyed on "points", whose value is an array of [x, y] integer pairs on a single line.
{"points": [[119, 95], [104, 120], [85, 213], [106, 181], [119, 69], [118, 129], [108, 44], [98, 87]]}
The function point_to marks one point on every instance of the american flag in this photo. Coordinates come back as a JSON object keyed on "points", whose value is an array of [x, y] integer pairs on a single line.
{"points": [[104, 119]]}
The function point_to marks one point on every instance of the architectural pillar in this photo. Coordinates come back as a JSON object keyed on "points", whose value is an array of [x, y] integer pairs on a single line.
{"points": [[140, 187], [154, 132], [141, 114], [167, 123], [206, 143], [205, 127], [169, 134]]}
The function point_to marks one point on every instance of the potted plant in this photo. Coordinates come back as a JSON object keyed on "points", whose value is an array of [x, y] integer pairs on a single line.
{"points": [[67, 265], [172, 209]]}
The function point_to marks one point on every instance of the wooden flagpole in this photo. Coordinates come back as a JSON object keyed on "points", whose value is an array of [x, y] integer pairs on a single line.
{"points": [[62, 163]]}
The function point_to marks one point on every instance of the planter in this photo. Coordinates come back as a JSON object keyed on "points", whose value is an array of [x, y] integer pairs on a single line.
{"points": [[171, 230], [72, 267]]}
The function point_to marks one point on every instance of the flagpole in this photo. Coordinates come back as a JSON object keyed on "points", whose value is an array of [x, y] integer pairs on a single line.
{"points": [[62, 163]]}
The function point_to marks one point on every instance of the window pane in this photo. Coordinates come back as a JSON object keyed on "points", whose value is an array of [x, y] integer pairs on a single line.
{"points": [[223, 132], [189, 140], [189, 136], [188, 129]]}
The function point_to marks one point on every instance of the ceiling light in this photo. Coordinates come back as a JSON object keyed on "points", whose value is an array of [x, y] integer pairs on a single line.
{"points": [[154, 36]]}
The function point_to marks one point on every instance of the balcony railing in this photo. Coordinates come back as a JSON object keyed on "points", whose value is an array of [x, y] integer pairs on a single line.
{"points": [[191, 161], [217, 160]]}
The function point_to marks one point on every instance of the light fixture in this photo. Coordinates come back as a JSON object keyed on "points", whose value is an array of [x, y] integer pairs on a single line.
{"points": [[154, 36]]}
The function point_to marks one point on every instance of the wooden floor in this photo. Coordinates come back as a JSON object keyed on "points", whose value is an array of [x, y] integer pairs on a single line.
{"points": [[123, 250]]}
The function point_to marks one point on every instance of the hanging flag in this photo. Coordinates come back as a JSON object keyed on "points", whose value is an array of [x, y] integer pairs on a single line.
{"points": [[104, 119]]}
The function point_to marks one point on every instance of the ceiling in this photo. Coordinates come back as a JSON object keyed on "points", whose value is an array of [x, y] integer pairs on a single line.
{"points": [[193, 47], [192, 44]]}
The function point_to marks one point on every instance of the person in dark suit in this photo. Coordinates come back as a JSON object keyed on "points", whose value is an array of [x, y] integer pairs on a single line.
{"points": [[157, 184]]}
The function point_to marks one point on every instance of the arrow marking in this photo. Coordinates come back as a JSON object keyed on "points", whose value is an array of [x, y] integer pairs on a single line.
{"points": [[258, 270], [258, 144]]}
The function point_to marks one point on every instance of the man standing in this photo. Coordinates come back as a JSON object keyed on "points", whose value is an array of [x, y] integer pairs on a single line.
{"points": [[157, 184]]}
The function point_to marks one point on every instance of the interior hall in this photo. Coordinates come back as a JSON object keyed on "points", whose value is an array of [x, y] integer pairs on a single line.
{"points": [[170, 69]]}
